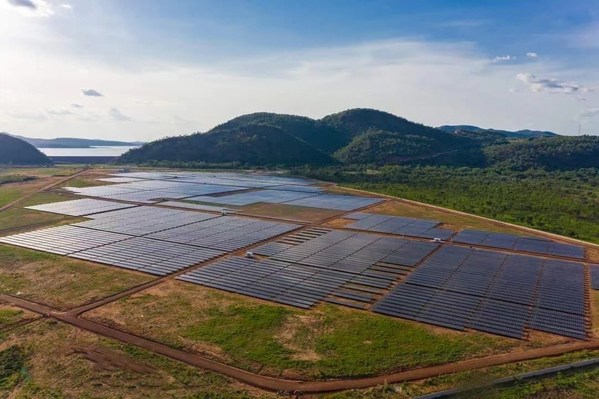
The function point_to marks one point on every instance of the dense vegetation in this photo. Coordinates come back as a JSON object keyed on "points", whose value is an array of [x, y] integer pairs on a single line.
{"points": [[364, 136], [16, 151], [555, 153], [561, 202], [505, 133]]}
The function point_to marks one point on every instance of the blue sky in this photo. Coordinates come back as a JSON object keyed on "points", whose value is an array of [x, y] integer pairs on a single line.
{"points": [[145, 69]]}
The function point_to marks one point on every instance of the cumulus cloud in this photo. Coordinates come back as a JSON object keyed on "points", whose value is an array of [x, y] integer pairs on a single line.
{"points": [[92, 93], [75, 105], [67, 6], [118, 116], [504, 58], [550, 85], [532, 54], [23, 3]]}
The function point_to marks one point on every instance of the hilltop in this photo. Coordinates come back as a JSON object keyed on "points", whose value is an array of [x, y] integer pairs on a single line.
{"points": [[19, 152], [522, 134], [364, 136]]}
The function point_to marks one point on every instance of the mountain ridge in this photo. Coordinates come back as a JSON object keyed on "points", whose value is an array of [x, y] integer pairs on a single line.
{"points": [[358, 136]]}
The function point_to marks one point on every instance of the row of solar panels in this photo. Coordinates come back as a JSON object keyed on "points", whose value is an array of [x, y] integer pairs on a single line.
{"points": [[151, 187], [414, 227], [527, 244]]}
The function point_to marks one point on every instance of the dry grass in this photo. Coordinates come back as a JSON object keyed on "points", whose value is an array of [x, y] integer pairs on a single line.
{"points": [[59, 281], [60, 361]]}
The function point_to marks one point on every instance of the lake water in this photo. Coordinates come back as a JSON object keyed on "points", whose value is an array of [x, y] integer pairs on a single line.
{"points": [[85, 152]]}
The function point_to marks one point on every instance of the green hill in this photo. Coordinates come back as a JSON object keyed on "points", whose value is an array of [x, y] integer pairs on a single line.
{"points": [[315, 133], [251, 144], [18, 152], [518, 134], [549, 153], [363, 136]]}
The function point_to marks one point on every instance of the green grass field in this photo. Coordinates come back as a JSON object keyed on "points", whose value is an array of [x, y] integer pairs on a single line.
{"points": [[328, 341]]}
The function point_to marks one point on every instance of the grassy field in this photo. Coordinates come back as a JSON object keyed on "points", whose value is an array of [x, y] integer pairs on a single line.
{"points": [[19, 217], [328, 341], [576, 385], [47, 360], [10, 315], [40, 177], [59, 281]]}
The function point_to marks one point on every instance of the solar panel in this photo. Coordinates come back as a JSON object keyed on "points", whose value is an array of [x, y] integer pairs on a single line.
{"points": [[252, 197], [227, 233], [525, 244], [143, 220], [147, 255], [399, 225], [63, 240], [80, 207], [335, 202], [595, 277], [460, 287]]}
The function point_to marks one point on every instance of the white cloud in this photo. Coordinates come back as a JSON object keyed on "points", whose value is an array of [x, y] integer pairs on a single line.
{"points": [[532, 54], [38, 8], [75, 105], [91, 93], [66, 6], [551, 85], [118, 116], [504, 58]]}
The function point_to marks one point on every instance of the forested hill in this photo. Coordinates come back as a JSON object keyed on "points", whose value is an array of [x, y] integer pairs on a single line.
{"points": [[18, 152], [520, 134], [360, 136]]}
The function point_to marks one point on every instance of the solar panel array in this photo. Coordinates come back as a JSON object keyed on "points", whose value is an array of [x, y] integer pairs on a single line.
{"points": [[80, 207], [149, 239], [150, 191], [147, 255], [198, 207], [63, 240], [595, 277], [336, 266], [335, 202], [252, 197], [282, 282], [154, 187], [143, 220], [226, 233], [516, 243], [399, 225], [461, 288]]}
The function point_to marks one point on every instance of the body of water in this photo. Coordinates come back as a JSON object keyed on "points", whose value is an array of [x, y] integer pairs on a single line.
{"points": [[85, 152]]}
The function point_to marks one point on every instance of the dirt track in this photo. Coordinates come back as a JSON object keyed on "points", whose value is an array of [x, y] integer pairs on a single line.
{"points": [[281, 384], [48, 187]]}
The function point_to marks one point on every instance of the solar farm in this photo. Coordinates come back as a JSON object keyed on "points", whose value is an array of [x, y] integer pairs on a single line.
{"points": [[194, 230]]}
